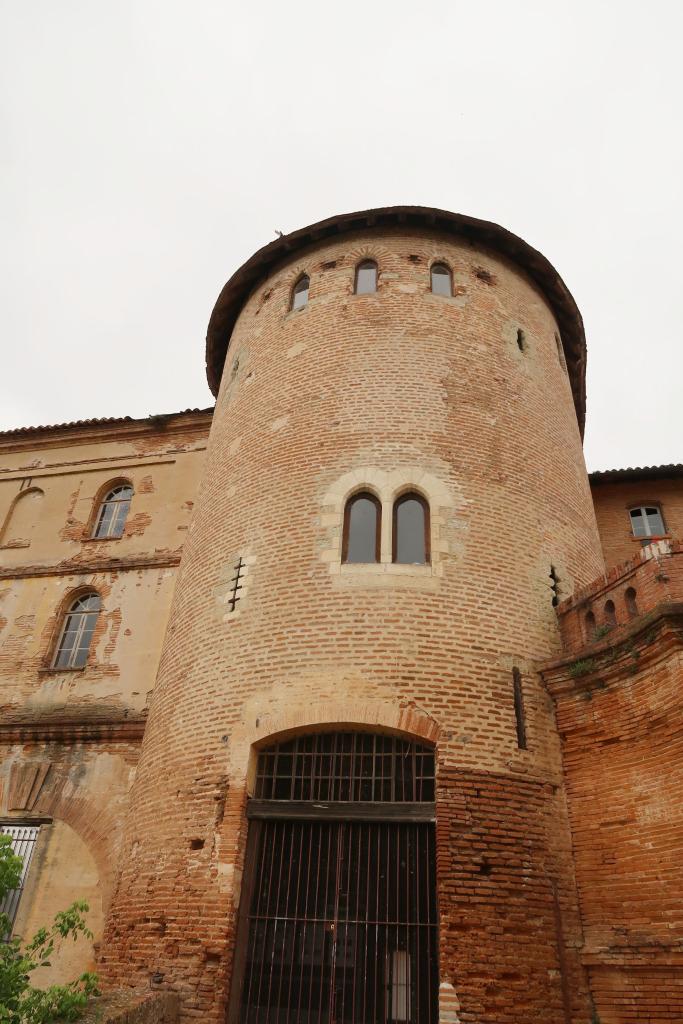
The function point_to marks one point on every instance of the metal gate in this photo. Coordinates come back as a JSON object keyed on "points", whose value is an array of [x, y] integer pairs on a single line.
{"points": [[338, 919]]}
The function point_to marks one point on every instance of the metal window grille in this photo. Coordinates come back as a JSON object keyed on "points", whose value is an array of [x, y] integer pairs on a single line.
{"points": [[77, 632], [113, 512], [346, 766], [23, 843], [338, 918]]}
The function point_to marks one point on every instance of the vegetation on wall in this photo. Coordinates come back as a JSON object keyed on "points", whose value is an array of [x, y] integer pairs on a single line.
{"points": [[20, 1001]]}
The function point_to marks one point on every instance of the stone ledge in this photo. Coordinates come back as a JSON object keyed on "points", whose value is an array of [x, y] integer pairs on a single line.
{"points": [[133, 1008]]}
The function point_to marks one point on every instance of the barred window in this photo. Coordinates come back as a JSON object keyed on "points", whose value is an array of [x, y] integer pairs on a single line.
{"points": [[77, 632], [23, 842], [338, 917], [113, 511]]}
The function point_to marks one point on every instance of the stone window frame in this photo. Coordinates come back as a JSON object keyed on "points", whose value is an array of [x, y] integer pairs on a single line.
{"points": [[388, 486]]}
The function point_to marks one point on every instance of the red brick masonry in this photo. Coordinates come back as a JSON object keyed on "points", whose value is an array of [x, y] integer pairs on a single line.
{"points": [[618, 700]]}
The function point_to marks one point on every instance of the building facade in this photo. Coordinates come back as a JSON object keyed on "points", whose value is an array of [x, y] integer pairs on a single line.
{"points": [[354, 699]]}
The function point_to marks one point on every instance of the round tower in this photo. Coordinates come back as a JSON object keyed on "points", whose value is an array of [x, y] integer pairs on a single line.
{"points": [[394, 502]]}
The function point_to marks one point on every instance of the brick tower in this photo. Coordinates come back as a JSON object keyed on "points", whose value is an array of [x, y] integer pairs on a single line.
{"points": [[394, 501]]}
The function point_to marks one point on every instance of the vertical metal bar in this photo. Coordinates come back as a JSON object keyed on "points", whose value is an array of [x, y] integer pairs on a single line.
{"points": [[267, 917], [428, 893], [284, 916], [417, 929], [297, 829], [311, 828], [315, 918], [340, 829], [274, 913]]}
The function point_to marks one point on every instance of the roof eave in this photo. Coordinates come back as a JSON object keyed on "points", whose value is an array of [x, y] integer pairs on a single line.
{"points": [[236, 291]]}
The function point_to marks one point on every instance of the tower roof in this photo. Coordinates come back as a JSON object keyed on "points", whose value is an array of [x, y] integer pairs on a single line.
{"points": [[485, 233]]}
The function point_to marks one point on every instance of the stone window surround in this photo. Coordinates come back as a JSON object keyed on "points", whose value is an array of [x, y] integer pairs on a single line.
{"points": [[387, 486]]}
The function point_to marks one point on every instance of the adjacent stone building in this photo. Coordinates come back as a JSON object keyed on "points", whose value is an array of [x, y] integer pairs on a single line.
{"points": [[354, 699]]}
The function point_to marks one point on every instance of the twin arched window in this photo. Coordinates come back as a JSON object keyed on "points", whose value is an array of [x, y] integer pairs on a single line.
{"points": [[112, 513], [363, 527], [77, 631]]}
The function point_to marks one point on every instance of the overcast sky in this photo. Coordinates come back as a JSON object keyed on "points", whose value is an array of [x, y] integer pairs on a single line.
{"points": [[148, 147]]}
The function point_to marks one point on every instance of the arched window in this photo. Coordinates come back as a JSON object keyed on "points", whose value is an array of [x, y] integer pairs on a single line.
{"points": [[362, 521], [366, 277], [442, 282], [631, 603], [590, 626], [610, 613], [77, 632], [337, 920], [411, 530], [22, 518], [300, 292], [647, 521], [113, 511]]}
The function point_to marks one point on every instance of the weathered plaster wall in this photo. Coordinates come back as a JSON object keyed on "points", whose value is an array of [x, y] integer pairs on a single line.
{"points": [[69, 740], [62, 870]]}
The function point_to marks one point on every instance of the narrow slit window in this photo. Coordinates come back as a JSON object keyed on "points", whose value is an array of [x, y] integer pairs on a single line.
{"points": [[77, 632], [521, 340], [590, 627], [411, 530], [300, 292], [113, 512], [610, 613], [647, 521], [366, 277], [441, 279], [362, 524], [554, 586], [518, 696]]}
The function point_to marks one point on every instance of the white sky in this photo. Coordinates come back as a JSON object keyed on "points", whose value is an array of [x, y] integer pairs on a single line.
{"points": [[148, 147]]}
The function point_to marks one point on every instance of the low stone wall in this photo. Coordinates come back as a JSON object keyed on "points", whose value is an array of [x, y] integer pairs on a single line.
{"points": [[132, 1008]]}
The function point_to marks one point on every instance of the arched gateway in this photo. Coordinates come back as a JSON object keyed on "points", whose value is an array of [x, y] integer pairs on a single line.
{"points": [[338, 911]]}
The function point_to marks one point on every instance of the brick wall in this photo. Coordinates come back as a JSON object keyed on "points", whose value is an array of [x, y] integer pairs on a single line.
{"points": [[613, 501], [397, 385], [619, 714]]}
